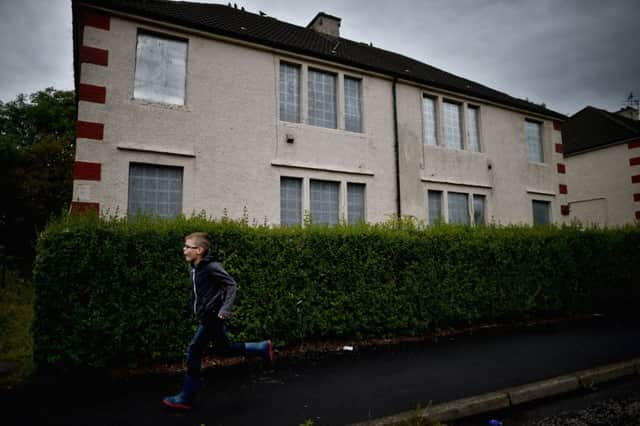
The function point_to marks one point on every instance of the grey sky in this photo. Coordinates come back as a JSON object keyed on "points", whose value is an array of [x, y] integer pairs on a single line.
{"points": [[565, 53]]}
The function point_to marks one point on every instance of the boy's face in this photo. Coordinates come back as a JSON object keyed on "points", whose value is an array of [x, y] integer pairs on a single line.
{"points": [[192, 252]]}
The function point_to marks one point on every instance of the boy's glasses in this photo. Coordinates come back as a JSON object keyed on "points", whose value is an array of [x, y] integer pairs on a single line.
{"points": [[189, 247]]}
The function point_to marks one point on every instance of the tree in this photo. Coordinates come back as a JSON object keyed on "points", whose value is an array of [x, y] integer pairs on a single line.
{"points": [[37, 145]]}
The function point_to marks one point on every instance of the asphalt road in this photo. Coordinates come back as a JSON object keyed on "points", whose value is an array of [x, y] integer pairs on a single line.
{"points": [[334, 389]]}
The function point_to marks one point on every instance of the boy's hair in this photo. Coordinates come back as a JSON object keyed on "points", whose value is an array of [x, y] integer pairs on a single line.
{"points": [[201, 239]]}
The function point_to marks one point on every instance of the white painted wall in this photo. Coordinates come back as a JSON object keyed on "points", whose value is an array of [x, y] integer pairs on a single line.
{"points": [[601, 188], [234, 149]]}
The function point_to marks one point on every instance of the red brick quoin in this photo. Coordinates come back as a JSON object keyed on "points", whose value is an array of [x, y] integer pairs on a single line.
{"points": [[91, 93], [89, 130], [559, 148], [563, 188], [86, 171], [565, 210], [93, 55], [562, 168], [80, 207], [96, 20]]}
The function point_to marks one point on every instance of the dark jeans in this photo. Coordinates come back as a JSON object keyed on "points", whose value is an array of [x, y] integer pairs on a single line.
{"points": [[210, 329]]}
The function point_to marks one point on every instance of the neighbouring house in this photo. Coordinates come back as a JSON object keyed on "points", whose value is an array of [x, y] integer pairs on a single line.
{"points": [[602, 152], [188, 107]]}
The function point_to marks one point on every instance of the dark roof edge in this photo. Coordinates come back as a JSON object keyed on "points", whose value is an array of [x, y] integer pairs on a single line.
{"points": [[529, 107], [599, 147]]}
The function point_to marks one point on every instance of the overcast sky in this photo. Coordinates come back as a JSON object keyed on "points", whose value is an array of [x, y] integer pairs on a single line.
{"points": [[565, 53]]}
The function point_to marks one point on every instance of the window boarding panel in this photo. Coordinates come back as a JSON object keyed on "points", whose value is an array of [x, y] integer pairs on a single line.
{"points": [[429, 120], [479, 209], [540, 212], [160, 69], [322, 99], [452, 133], [458, 208], [324, 201], [290, 201], [355, 202], [472, 129], [352, 114], [289, 93], [435, 207], [155, 190], [534, 141]]}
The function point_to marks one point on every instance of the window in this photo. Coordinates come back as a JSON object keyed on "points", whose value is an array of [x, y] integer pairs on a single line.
{"points": [[429, 120], [452, 133], [352, 116], [472, 129], [289, 92], [324, 201], [155, 190], [478, 209], [290, 201], [322, 99], [434, 199], [541, 212], [458, 208], [534, 141], [355, 202], [160, 69]]}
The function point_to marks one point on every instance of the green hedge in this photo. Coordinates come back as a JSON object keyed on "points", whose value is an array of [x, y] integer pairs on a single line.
{"points": [[116, 292]]}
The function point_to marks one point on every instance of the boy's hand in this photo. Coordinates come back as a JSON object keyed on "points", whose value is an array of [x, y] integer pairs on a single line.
{"points": [[224, 315]]}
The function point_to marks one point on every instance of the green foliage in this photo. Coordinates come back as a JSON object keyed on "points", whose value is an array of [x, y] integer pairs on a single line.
{"points": [[115, 292], [37, 138], [16, 318]]}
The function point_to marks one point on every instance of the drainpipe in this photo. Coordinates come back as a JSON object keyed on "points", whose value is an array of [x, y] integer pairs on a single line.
{"points": [[397, 149]]}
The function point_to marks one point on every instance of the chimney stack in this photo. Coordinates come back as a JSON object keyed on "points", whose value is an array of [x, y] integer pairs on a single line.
{"points": [[326, 24]]}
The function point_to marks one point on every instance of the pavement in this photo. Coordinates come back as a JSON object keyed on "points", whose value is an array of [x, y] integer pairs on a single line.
{"points": [[450, 377]]}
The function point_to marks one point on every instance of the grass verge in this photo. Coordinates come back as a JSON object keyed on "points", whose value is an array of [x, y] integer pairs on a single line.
{"points": [[16, 318]]}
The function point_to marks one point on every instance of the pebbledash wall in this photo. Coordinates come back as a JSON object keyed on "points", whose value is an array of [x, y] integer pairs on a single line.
{"points": [[233, 148], [606, 184]]}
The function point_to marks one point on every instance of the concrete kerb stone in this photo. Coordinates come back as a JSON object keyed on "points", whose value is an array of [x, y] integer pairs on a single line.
{"points": [[595, 376], [543, 389], [492, 401], [464, 407]]}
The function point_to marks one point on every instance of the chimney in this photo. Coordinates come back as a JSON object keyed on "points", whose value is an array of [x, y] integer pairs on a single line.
{"points": [[326, 24]]}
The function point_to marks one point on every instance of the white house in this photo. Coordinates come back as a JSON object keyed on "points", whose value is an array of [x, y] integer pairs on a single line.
{"points": [[185, 107], [602, 152]]}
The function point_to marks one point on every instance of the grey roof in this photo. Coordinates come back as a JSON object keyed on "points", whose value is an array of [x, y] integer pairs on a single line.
{"points": [[264, 30], [591, 128]]}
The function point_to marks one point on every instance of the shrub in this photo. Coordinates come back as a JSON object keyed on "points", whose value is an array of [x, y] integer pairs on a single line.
{"points": [[115, 292]]}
